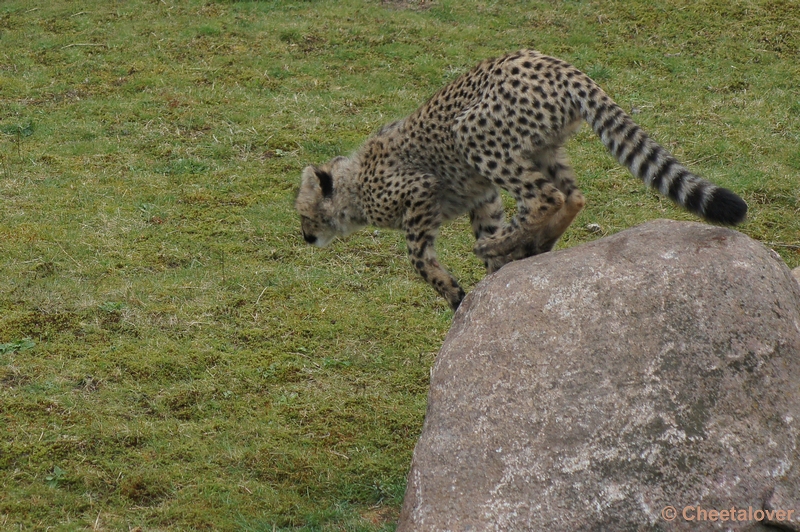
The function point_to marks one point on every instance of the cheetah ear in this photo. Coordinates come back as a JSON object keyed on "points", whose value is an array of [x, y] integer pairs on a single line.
{"points": [[316, 183], [325, 182]]}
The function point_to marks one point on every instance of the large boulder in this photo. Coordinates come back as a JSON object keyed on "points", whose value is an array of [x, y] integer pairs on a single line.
{"points": [[646, 381]]}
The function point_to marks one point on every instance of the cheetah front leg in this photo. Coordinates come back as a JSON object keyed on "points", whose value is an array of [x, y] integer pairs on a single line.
{"points": [[488, 218], [421, 229]]}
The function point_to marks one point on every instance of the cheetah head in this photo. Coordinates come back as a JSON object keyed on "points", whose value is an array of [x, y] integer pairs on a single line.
{"points": [[324, 206]]}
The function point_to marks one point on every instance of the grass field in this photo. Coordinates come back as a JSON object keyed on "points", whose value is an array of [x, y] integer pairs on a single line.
{"points": [[173, 356]]}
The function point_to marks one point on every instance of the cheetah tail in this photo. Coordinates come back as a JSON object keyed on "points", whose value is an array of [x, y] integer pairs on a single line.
{"points": [[653, 164]]}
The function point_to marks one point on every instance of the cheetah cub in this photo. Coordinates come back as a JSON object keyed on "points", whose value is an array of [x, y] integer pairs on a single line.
{"points": [[502, 124]]}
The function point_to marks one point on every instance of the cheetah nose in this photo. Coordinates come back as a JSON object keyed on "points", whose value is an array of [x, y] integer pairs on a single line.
{"points": [[309, 238]]}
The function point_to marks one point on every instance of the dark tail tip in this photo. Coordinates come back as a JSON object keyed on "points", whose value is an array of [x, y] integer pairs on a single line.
{"points": [[725, 208]]}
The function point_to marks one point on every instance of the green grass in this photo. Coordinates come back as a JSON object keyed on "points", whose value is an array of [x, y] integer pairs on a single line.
{"points": [[172, 355]]}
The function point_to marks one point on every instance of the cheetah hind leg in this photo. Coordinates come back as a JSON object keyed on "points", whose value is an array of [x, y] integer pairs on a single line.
{"points": [[561, 220], [554, 206], [556, 225], [554, 165], [529, 230]]}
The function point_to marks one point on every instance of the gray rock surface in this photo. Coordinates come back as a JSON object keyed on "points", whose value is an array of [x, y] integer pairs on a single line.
{"points": [[590, 388], [796, 273]]}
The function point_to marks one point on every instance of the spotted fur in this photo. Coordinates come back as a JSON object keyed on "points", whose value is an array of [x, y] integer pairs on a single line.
{"points": [[502, 125]]}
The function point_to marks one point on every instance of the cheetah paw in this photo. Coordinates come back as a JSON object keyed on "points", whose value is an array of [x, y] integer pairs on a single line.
{"points": [[487, 249], [492, 265]]}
